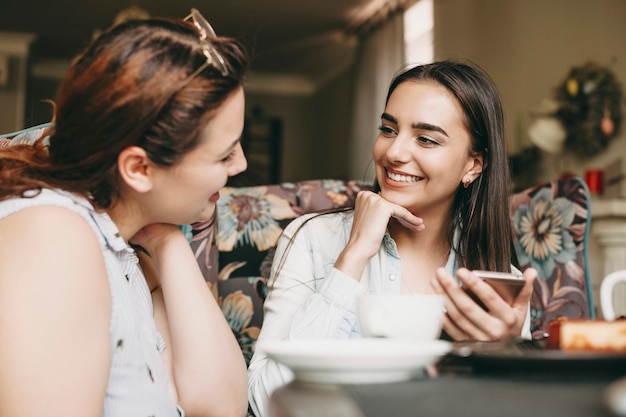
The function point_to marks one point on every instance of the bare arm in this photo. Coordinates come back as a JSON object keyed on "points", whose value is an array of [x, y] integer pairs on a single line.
{"points": [[54, 315], [206, 362]]}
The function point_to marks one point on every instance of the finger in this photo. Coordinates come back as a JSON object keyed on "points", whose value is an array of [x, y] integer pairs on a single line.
{"points": [[432, 371], [408, 219], [461, 326], [449, 285], [484, 292], [521, 301], [365, 196], [417, 225], [401, 214], [462, 311], [509, 314], [448, 325], [453, 330], [502, 320]]}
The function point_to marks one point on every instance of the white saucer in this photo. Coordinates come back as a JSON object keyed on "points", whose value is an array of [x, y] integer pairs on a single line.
{"points": [[355, 361]]}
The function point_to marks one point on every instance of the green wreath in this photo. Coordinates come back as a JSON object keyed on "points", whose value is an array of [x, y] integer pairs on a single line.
{"points": [[589, 107]]}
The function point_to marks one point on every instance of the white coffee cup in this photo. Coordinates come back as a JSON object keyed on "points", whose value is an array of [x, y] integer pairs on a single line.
{"points": [[607, 288], [401, 316]]}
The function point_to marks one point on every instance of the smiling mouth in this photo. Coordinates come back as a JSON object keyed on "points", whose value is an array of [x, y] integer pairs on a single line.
{"points": [[403, 178]]}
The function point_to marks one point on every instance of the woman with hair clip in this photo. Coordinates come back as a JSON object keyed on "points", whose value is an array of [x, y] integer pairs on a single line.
{"points": [[147, 131], [439, 211]]}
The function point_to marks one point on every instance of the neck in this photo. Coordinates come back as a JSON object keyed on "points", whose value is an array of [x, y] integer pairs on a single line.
{"points": [[126, 219], [421, 253], [432, 240]]}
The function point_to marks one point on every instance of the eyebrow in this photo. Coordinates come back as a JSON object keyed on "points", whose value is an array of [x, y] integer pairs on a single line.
{"points": [[422, 126]]}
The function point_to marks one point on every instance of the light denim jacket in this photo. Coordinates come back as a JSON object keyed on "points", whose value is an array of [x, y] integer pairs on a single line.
{"points": [[314, 300]]}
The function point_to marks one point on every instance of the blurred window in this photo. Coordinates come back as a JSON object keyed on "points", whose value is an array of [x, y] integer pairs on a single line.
{"points": [[418, 32]]}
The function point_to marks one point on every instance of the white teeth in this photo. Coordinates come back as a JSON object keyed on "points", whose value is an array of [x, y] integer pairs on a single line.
{"points": [[402, 178]]}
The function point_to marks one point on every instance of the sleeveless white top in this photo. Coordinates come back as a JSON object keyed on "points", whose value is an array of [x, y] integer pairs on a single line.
{"points": [[139, 382]]}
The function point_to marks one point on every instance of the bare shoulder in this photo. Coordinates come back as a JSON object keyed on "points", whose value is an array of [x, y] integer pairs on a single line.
{"points": [[47, 233], [55, 309], [51, 247], [54, 249]]}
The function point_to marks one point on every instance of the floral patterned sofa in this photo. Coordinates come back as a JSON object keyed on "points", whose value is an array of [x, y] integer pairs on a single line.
{"points": [[236, 249], [550, 223]]}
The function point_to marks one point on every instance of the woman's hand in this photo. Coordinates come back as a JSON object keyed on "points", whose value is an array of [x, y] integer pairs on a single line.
{"points": [[152, 236], [465, 319], [371, 216]]}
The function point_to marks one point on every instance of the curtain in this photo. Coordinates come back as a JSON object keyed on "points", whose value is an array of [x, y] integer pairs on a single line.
{"points": [[379, 57]]}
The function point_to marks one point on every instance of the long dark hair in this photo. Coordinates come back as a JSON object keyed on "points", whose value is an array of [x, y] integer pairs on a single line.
{"points": [[480, 212], [129, 87]]}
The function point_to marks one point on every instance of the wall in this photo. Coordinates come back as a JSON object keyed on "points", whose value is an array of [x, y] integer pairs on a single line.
{"points": [[332, 108], [297, 126], [14, 55], [528, 47], [315, 128]]}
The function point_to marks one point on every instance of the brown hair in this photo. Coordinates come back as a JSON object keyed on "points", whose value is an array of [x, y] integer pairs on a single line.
{"points": [[129, 87]]}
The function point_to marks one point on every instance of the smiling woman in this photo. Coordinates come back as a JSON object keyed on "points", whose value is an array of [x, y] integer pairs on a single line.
{"points": [[438, 211]]}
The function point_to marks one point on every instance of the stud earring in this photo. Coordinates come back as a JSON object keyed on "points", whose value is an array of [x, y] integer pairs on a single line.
{"points": [[466, 182]]}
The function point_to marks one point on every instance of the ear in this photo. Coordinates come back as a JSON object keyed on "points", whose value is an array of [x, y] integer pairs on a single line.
{"points": [[474, 168], [134, 168]]}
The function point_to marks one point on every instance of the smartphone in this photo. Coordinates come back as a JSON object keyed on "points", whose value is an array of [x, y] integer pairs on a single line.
{"points": [[506, 284]]}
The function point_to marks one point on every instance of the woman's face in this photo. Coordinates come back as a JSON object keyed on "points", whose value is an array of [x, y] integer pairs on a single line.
{"points": [[189, 190], [422, 153]]}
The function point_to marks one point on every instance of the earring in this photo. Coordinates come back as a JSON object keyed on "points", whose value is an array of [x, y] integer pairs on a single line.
{"points": [[466, 182]]}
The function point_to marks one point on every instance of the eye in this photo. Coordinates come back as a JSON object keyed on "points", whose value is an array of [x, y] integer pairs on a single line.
{"points": [[426, 141], [230, 156], [387, 130]]}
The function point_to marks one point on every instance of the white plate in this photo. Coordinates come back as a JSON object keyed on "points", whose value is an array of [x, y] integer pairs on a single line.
{"points": [[355, 361]]}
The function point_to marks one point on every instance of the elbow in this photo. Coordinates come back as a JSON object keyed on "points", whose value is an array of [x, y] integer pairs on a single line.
{"points": [[225, 398], [234, 405]]}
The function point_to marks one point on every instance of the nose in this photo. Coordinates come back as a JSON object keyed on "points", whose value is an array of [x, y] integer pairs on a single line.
{"points": [[239, 162], [398, 149]]}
